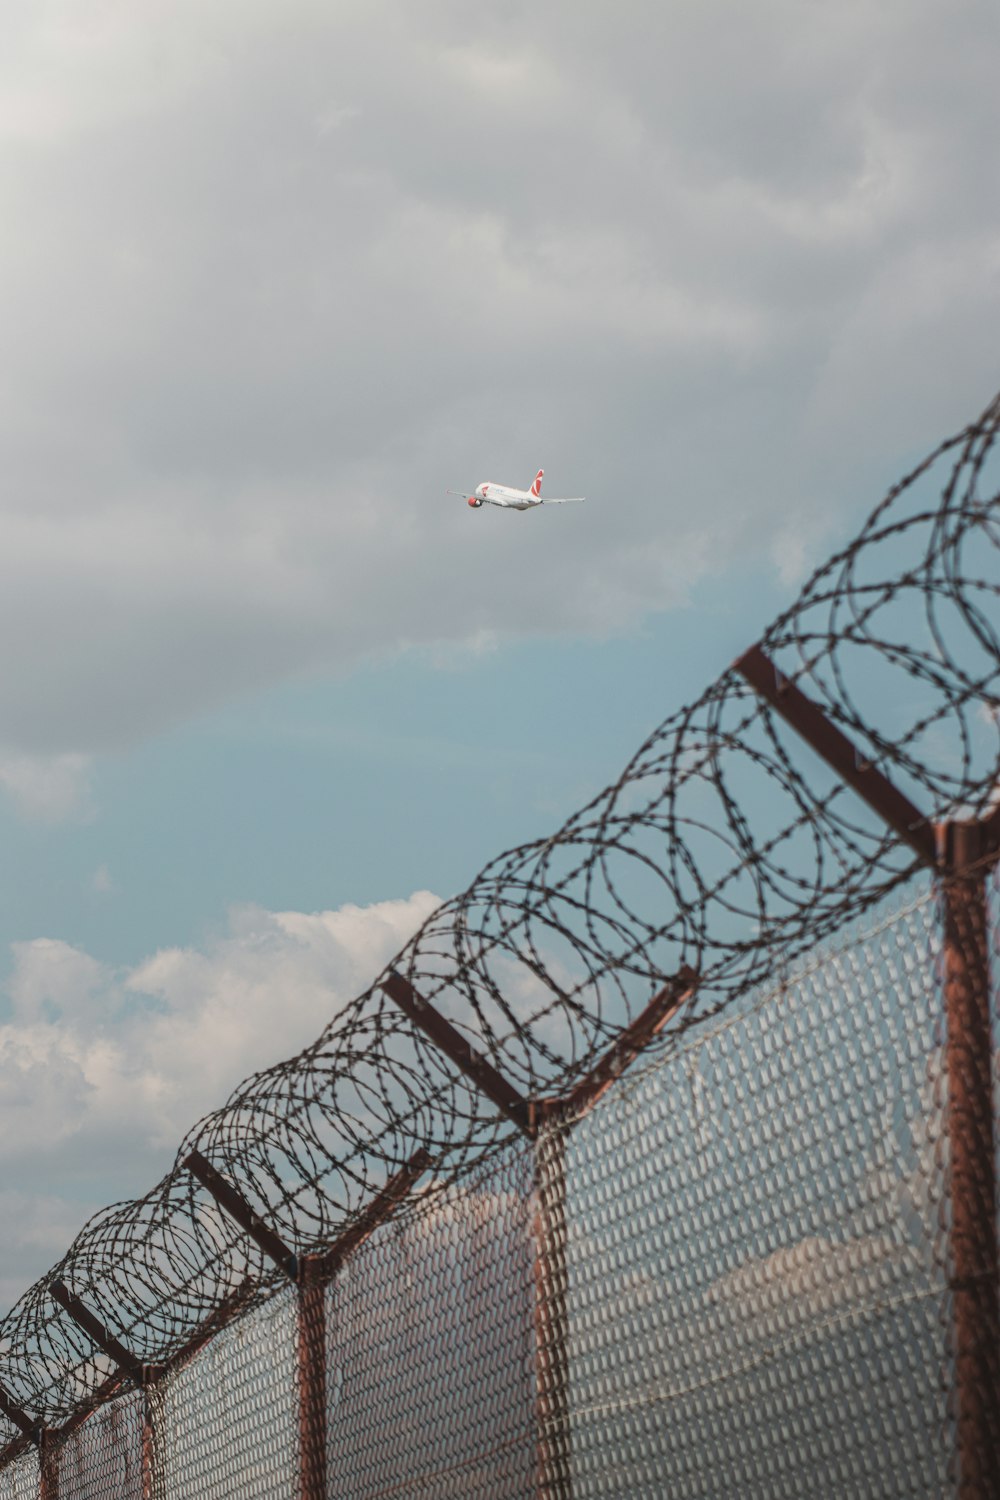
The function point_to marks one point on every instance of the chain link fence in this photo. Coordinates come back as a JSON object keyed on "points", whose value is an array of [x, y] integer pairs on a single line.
{"points": [[731, 1275], [20, 1479], [757, 1255]]}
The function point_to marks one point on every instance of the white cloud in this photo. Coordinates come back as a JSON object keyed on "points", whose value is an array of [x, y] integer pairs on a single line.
{"points": [[276, 275], [48, 788], [103, 1070]]}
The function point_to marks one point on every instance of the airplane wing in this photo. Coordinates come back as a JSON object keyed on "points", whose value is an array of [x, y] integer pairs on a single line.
{"points": [[461, 493], [563, 499]]}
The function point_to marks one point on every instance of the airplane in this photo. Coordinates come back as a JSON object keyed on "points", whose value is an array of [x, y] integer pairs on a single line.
{"points": [[499, 494]]}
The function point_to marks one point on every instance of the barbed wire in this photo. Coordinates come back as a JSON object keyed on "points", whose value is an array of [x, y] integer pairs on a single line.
{"points": [[724, 846]]}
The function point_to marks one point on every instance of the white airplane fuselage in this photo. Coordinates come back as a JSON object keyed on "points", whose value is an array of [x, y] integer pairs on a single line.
{"points": [[500, 494], [489, 493]]}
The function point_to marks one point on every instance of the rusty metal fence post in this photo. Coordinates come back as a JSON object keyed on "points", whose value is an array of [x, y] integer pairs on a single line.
{"points": [[554, 1480], [48, 1466], [312, 1381], [973, 1251], [148, 1457]]}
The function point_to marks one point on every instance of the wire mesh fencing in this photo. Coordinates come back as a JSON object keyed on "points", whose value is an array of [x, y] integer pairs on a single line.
{"points": [[757, 1248], [20, 1478], [431, 1336], [105, 1455], [226, 1420], [732, 1274]]}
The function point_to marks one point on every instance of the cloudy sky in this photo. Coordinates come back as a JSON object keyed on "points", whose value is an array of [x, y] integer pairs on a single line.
{"points": [[272, 277]]}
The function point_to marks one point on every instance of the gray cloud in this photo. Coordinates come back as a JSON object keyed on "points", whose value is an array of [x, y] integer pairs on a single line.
{"points": [[275, 275]]}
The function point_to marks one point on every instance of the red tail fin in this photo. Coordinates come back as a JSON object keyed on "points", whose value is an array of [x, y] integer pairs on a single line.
{"points": [[536, 488]]}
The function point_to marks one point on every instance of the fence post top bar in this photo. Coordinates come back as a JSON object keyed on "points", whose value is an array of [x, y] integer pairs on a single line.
{"points": [[812, 725], [15, 1448], [626, 1047], [20, 1419], [228, 1309], [95, 1329], [325, 1263], [458, 1048], [239, 1210]]}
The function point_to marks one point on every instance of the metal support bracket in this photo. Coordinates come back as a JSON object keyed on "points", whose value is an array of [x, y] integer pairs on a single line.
{"points": [[328, 1262], [229, 1308], [95, 1330], [812, 725], [623, 1052], [236, 1206], [20, 1419], [461, 1051]]}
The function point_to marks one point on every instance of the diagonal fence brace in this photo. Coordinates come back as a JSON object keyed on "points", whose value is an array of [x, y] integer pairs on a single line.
{"points": [[95, 1330], [382, 1206], [229, 1308], [811, 724], [20, 1419], [462, 1053], [236, 1206], [626, 1048]]}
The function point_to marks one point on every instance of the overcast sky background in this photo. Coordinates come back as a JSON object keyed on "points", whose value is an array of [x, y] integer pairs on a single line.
{"points": [[272, 277]]}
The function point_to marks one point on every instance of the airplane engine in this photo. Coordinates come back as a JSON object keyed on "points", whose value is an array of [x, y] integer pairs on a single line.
{"points": [[474, 502]]}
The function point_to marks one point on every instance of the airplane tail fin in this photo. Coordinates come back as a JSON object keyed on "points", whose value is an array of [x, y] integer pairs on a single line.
{"points": [[536, 488]]}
